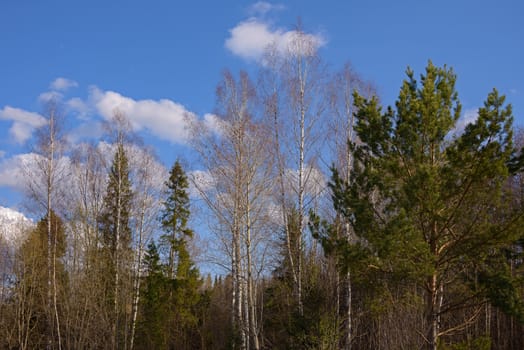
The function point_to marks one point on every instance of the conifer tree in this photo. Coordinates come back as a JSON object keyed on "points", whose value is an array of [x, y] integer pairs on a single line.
{"points": [[428, 203], [153, 330], [181, 271], [175, 216], [116, 234]]}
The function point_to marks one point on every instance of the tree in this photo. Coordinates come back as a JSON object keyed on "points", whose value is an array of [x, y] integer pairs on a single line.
{"points": [[237, 192], [294, 106], [184, 277], [153, 326], [46, 181], [341, 129], [87, 322], [32, 284], [428, 203], [116, 234], [175, 215], [147, 175]]}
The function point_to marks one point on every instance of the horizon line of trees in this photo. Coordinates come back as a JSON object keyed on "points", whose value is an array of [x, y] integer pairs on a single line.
{"points": [[339, 224]]}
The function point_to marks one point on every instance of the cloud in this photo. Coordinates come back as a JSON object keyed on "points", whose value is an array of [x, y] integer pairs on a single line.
{"points": [[86, 130], [163, 118], [469, 117], [315, 182], [201, 181], [62, 84], [263, 7], [50, 96], [144, 162], [213, 123], [12, 170], [251, 38], [79, 106], [24, 122]]}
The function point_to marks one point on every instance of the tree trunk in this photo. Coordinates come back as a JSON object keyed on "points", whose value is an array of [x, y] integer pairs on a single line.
{"points": [[250, 283], [136, 299], [432, 316], [115, 325]]}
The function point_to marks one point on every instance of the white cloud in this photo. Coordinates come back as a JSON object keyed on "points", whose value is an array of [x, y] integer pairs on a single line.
{"points": [[20, 132], [140, 160], [213, 123], [469, 117], [200, 182], [251, 38], [79, 107], [12, 170], [263, 7], [77, 104], [24, 122], [163, 118], [87, 130], [62, 84], [315, 182], [50, 96], [2, 154]]}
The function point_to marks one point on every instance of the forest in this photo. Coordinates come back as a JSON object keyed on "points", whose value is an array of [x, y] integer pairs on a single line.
{"points": [[330, 220]]}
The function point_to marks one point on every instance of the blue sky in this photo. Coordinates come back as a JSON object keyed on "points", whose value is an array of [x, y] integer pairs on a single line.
{"points": [[160, 59]]}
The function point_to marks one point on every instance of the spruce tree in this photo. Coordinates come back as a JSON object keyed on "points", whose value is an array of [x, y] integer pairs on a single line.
{"points": [[116, 237], [153, 329], [175, 216], [184, 276]]}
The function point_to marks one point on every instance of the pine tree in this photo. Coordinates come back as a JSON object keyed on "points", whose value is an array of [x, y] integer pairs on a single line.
{"points": [[429, 204]]}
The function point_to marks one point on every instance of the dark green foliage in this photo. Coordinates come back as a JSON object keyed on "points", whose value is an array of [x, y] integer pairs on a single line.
{"points": [[285, 327], [173, 308], [117, 205], [116, 255], [426, 203], [501, 287], [175, 215], [152, 330]]}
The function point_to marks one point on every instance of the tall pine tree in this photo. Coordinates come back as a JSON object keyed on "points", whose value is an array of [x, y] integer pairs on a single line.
{"points": [[428, 203]]}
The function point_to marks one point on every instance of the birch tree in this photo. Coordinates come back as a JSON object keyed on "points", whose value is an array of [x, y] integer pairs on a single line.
{"points": [[294, 103], [46, 175], [146, 173], [341, 129], [87, 322], [236, 159]]}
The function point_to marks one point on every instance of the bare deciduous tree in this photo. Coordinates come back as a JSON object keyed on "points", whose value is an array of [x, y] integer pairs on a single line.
{"points": [[46, 180], [238, 164]]}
